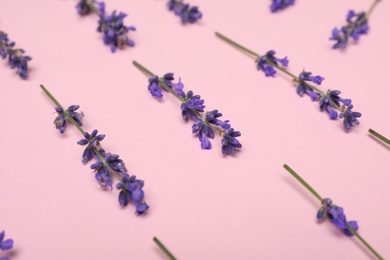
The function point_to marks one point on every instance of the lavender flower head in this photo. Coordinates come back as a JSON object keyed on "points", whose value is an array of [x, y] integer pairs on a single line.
{"points": [[263, 65], [356, 25], [192, 107], [5, 244], [350, 117], [60, 121], [280, 4], [93, 143], [16, 59], [187, 14], [335, 215], [131, 190]]}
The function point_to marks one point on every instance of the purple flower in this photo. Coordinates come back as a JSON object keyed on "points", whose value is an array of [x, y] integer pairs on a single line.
{"points": [[325, 104], [229, 142], [356, 25], [115, 33], [5, 244], [186, 13], [212, 118], [350, 117], [102, 173], [280, 4], [334, 96], [131, 190], [83, 8], [303, 88], [60, 120], [154, 88], [268, 69], [93, 140], [192, 102], [335, 215]]}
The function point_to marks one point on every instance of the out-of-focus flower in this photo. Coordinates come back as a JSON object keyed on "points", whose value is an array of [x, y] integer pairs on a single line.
{"points": [[185, 11]]}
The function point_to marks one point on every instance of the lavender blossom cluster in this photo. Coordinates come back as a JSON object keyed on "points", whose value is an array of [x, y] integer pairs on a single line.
{"points": [[112, 27], [280, 4], [185, 11], [335, 215], [16, 59], [356, 25], [191, 107], [107, 165], [5, 244]]}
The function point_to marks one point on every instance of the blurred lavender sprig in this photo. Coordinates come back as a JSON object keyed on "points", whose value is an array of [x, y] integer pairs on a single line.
{"points": [[329, 101], [357, 24], [334, 213], [115, 33], [5, 244], [187, 13], [280, 4], [192, 107], [16, 57], [107, 165]]}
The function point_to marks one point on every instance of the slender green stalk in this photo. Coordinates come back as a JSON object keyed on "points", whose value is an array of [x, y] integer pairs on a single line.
{"points": [[372, 8], [379, 136], [52, 98], [163, 248], [307, 186], [170, 90]]}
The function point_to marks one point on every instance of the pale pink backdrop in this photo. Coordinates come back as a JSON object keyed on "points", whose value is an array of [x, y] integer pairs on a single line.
{"points": [[202, 205]]}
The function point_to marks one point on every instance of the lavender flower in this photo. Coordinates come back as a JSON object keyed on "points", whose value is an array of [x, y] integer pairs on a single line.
{"points": [[263, 63], [112, 27], [192, 107], [186, 13], [280, 4], [16, 59], [107, 166], [5, 244], [336, 216], [350, 117]]}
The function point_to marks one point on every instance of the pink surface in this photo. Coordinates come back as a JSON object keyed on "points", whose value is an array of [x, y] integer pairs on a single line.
{"points": [[202, 205]]}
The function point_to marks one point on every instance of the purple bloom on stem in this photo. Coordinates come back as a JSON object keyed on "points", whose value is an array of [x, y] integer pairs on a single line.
{"points": [[280, 4], [334, 96], [192, 102], [5, 244], [204, 132], [115, 33], [186, 13], [93, 140], [350, 117], [131, 190], [102, 174], [154, 88], [326, 105], [303, 88], [212, 118], [268, 69], [83, 8], [229, 142], [60, 120]]}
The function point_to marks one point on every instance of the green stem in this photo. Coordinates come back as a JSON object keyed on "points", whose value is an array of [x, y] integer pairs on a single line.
{"points": [[170, 90], [303, 182], [91, 5], [379, 136], [307, 186], [52, 98], [231, 42], [163, 248], [372, 8]]}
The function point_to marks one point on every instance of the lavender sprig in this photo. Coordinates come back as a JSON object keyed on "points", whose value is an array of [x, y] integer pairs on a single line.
{"points": [[16, 59], [5, 244], [329, 101], [187, 13], [379, 136], [112, 27], [107, 165], [192, 106], [334, 213], [357, 24], [163, 248], [280, 4]]}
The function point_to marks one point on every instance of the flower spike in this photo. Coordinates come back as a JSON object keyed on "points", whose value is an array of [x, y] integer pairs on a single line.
{"points": [[112, 27], [192, 107], [107, 165], [187, 14], [280, 4], [334, 213], [357, 24], [305, 82]]}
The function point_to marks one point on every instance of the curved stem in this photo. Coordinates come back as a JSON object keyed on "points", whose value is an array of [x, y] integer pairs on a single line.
{"points": [[163, 248], [379, 136]]}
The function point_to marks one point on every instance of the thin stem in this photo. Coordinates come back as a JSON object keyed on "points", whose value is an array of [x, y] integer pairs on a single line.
{"points": [[379, 136], [230, 41], [52, 98], [170, 90], [303, 182], [163, 248], [372, 8], [364, 242]]}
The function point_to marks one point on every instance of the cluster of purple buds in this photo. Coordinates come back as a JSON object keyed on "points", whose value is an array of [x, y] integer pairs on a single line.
{"points": [[192, 106], [263, 63], [186, 13], [329, 101], [107, 165], [335, 215], [5, 244], [280, 4], [112, 27], [16, 59], [356, 25]]}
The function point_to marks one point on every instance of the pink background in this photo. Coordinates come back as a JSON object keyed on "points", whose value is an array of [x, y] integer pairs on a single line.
{"points": [[202, 205]]}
